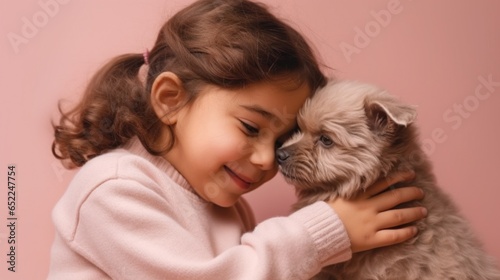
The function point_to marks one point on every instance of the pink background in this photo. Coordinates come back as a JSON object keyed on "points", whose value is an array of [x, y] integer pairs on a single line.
{"points": [[429, 53]]}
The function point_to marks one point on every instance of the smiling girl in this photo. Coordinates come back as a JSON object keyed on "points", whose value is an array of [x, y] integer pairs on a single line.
{"points": [[166, 156]]}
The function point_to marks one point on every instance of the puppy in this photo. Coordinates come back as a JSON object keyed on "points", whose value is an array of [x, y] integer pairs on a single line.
{"points": [[351, 134]]}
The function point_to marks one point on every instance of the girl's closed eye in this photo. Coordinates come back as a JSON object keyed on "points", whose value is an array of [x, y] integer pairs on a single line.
{"points": [[250, 129]]}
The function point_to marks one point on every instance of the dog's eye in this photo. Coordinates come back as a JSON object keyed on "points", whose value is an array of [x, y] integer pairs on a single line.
{"points": [[325, 141]]}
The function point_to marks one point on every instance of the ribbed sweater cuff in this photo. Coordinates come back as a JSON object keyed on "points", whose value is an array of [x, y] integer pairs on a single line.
{"points": [[327, 232]]}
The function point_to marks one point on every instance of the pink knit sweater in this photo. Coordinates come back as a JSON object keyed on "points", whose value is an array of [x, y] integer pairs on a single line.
{"points": [[130, 215]]}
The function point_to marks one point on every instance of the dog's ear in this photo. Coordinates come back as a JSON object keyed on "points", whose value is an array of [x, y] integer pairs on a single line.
{"points": [[385, 113]]}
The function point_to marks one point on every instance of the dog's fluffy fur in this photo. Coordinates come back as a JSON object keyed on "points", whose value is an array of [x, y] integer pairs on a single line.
{"points": [[350, 135]]}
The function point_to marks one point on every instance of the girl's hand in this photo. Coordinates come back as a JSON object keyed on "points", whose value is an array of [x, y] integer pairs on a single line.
{"points": [[369, 218]]}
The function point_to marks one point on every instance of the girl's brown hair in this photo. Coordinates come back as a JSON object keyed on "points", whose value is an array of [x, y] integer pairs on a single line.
{"points": [[226, 43]]}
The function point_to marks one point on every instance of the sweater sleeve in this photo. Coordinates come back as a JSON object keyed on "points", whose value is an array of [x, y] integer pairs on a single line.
{"points": [[136, 235]]}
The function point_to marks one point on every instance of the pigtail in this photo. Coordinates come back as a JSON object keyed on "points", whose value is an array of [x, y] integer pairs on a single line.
{"points": [[113, 109]]}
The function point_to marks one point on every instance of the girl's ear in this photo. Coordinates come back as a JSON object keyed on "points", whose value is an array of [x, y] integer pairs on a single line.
{"points": [[167, 94]]}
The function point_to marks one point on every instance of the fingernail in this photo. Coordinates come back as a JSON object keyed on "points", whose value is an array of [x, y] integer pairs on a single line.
{"points": [[424, 211], [414, 230]]}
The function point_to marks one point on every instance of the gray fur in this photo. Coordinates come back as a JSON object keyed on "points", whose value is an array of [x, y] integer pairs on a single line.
{"points": [[374, 136]]}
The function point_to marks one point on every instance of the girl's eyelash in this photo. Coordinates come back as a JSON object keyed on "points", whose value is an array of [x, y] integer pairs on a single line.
{"points": [[250, 129]]}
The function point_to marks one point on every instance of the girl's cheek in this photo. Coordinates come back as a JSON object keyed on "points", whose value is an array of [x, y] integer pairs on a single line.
{"points": [[243, 146]]}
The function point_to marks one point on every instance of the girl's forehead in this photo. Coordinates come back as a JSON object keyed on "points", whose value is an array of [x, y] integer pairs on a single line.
{"points": [[267, 98], [270, 100], [273, 101]]}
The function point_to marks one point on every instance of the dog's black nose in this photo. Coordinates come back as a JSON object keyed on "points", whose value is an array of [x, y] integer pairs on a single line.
{"points": [[282, 155]]}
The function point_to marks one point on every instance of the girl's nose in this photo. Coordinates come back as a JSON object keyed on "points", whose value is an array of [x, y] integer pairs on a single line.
{"points": [[263, 156]]}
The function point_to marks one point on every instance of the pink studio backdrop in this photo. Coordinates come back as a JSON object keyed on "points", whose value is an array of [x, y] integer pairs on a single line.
{"points": [[440, 55]]}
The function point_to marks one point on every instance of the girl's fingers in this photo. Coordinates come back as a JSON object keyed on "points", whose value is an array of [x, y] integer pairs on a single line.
{"points": [[383, 183], [394, 236], [399, 217], [393, 198]]}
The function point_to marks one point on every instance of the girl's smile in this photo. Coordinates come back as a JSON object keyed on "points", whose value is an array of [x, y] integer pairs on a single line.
{"points": [[240, 180]]}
